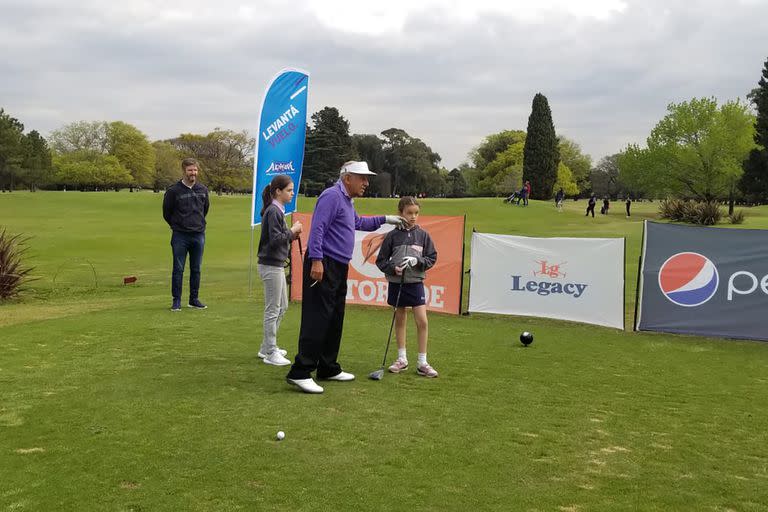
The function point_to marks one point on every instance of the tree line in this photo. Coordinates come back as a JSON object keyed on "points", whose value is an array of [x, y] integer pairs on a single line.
{"points": [[700, 150], [102, 155]]}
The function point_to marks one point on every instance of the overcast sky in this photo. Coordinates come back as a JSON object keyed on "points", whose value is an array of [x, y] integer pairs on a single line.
{"points": [[447, 72]]}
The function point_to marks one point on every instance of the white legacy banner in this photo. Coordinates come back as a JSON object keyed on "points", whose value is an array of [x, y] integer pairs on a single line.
{"points": [[579, 279]]}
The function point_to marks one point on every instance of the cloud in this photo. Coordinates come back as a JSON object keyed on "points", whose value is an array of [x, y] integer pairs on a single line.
{"points": [[448, 73]]}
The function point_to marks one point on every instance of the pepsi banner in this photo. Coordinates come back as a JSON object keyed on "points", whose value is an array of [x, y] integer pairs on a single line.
{"points": [[579, 279], [280, 139], [705, 281]]}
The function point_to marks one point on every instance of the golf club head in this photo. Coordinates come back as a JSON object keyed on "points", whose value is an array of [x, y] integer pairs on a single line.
{"points": [[377, 375]]}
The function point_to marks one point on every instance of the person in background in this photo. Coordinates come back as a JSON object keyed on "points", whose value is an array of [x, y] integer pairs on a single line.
{"points": [[527, 192], [591, 206], [628, 205], [606, 205], [559, 197]]}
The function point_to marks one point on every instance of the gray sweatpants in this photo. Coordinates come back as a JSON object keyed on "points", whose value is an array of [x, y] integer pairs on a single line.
{"points": [[275, 304]]}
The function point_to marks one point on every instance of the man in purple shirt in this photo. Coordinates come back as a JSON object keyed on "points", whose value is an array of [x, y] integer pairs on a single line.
{"points": [[331, 241]]}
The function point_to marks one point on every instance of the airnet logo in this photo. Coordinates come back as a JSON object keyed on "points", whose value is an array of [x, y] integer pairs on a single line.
{"points": [[280, 167]]}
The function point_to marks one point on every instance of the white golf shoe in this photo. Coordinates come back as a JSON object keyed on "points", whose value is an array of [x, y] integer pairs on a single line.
{"points": [[342, 377], [306, 385], [276, 359], [282, 351]]}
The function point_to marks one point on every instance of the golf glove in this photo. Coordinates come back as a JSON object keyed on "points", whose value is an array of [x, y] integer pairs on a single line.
{"points": [[395, 220], [409, 261]]}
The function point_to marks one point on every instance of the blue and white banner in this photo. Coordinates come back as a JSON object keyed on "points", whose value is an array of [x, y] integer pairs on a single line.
{"points": [[705, 281], [280, 140]]}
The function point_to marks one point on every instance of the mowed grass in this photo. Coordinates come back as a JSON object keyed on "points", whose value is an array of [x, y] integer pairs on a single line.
{"points": [[108, 401]]}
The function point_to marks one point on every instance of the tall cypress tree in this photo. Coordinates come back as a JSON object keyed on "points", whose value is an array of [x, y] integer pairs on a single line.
{"points": [[541, 155], [754, 181]]}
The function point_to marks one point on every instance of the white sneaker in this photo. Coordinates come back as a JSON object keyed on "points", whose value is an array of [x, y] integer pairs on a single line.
{"points": [[306, 385], [276, 359], [342, 377], [282, 351]]}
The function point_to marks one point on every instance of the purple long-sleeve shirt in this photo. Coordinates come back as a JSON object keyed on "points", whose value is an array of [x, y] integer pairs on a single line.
{"points": [[334, 222]]}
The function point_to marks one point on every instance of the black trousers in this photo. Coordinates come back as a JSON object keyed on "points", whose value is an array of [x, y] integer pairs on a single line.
{"points": [[322, 321]]}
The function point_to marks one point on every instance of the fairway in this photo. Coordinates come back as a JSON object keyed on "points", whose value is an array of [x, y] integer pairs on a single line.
{"points": [[108, 401]]}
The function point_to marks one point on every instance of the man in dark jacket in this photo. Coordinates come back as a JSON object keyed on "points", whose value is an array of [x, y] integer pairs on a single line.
{"points": [[185, 206]]}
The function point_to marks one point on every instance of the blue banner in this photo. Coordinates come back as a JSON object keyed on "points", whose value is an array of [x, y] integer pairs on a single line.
{"points": [[280, 140], [704, 281]]}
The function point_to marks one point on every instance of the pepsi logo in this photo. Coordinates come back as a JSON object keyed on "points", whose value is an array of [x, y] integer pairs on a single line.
{"points": [[688, 279]]}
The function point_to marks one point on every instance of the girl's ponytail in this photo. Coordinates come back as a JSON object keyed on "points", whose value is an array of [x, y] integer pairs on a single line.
{"points": [[279, 182], [266, 198]]}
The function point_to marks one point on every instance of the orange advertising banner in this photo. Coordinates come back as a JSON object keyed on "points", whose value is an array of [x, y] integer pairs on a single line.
{"points": [[367, 285]]}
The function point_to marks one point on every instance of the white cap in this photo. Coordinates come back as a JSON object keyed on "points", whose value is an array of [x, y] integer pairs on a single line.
{"points": [[356, 168]]}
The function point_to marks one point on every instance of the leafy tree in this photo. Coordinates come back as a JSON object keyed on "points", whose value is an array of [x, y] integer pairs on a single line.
{"points": [[577, 162], [504, 174], [80, 136], [565, 180], [381, 185], [409, 161], [328, 145], [498, 163], [754, 181], [494, 144], [36, 160], [435, 184], [89, 170], [696, 151], [125, 142], [541, 154], [471, 177], [11, 135], [167, 165], [225, 156], [133, 151], [605, 178], [759, 97], [456, 184], [370, 149]]}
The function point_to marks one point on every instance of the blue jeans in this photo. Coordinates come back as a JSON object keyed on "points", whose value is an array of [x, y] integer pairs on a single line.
{"points": [[181, 244]]}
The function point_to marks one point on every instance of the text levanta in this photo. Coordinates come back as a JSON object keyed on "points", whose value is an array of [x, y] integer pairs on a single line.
{"points": [[277, 126], [547, 287]]}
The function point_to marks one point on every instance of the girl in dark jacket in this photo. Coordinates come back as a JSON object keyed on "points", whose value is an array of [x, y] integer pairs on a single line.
{"points": [[274, 244], [404, 257]]}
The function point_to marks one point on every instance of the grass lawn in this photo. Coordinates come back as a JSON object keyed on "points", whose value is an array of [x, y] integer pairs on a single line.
{"points": [[108, 401]]}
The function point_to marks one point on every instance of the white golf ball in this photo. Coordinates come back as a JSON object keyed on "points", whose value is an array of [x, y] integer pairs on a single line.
{"points": [[280, 435]]}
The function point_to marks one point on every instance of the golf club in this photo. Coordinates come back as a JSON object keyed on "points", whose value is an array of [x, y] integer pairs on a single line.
{"points": [[379, 374]]}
